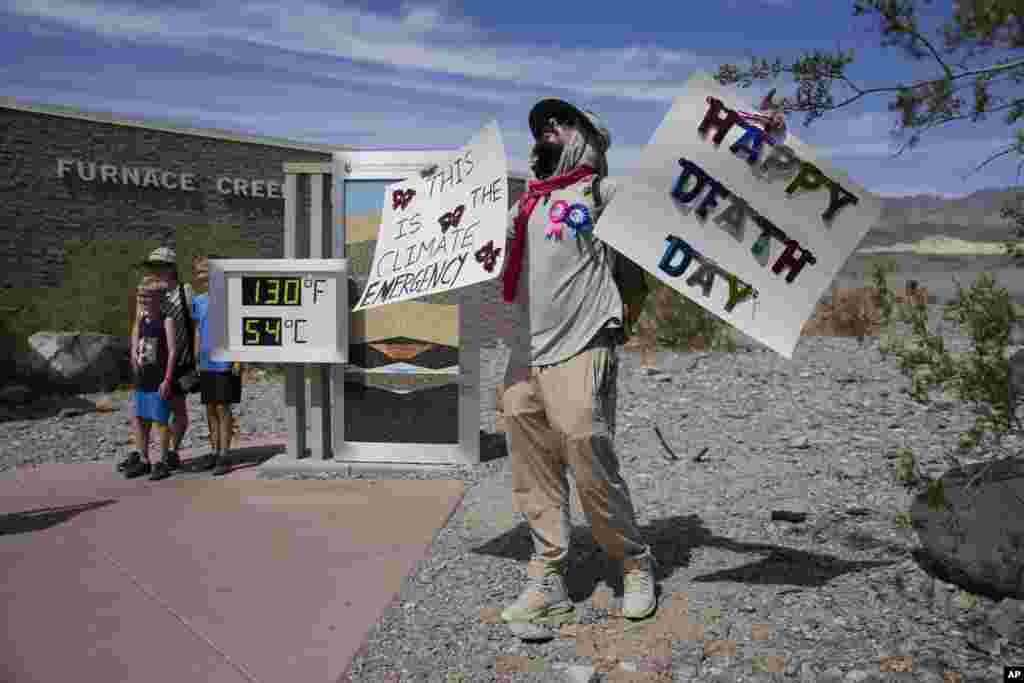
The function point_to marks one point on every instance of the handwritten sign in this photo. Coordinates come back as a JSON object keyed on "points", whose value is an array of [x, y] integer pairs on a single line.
{"points": [[444, 231], [751, 228]]}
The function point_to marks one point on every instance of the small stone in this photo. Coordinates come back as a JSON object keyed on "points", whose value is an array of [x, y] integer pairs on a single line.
{"points": [[800, 442], [104, 405], [1007, 619], [577, 673]]}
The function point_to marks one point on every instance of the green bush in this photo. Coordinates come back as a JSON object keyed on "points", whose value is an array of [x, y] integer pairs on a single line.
{"points": [[222, 240], [683, 324], [96, 291], [979, 377]]}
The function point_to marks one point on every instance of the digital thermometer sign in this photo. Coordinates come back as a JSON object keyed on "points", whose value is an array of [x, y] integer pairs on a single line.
{"points": [[279, 310]]}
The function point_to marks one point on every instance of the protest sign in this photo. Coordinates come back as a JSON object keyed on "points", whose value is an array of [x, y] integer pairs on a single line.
{"points": [[751, 228], [444, 231]]}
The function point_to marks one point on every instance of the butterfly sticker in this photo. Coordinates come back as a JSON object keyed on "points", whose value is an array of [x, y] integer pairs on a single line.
{"points": [[400, 198], [488, 256], [451, 219]]}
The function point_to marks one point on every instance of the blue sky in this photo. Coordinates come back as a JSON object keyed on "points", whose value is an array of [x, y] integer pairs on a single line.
{"points": [[420, 75]]}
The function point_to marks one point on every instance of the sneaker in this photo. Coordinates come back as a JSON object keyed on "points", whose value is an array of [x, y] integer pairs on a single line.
{"points": [[161, 470], [638, 599], [545, 600], [173, 461], [133, 459], [137, 470], [222, 467]]}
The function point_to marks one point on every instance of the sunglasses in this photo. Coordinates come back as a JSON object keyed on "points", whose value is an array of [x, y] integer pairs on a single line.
{"points": [[554, 124]]}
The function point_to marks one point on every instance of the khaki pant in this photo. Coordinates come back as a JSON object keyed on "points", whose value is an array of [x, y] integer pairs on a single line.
{"points": [[560, 418]]}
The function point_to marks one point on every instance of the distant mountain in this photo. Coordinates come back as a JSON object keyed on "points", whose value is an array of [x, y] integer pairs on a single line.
{"points": [[973, 218]]}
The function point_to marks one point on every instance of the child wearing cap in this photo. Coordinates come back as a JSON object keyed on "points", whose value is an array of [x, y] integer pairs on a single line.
{"points": [[152, 359]]}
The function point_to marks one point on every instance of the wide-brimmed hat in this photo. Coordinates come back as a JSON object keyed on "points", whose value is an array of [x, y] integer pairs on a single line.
{"points": [[163, 256], [560, 110]]}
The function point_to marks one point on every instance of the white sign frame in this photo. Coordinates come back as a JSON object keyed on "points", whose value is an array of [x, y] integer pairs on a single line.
{"points": [[335, 351], [726, 276], [474, 207]]}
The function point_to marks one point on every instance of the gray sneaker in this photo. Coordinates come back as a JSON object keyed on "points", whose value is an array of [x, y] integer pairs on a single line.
{"points": [[544, 602], [638, 599]]}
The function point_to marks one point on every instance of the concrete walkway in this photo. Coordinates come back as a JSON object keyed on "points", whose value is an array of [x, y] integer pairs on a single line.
{"points": [[197, 578]]}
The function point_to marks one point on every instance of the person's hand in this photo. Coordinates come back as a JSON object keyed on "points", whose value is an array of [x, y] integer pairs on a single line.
{"points": [[165, 390]]}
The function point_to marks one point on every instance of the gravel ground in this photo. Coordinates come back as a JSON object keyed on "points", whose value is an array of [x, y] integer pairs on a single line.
{"points": [[831, 599]]}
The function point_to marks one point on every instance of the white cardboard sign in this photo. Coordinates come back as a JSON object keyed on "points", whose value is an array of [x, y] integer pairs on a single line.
{"points": [[752, 229], [444, 231]]}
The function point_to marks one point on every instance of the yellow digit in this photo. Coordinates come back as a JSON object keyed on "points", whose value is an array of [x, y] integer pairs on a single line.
{"points": [[291, 291], [257, 299], [274, 328], [252, 328], [275, 286]]}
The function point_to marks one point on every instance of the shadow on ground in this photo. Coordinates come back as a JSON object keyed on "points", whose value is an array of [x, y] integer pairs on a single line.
{"points": [[672, 541], [41, 407], [242, 458], [44, 518]]}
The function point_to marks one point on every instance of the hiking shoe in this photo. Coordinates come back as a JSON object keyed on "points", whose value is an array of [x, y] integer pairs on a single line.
{"points": [[172, 460], [545, 600], [222, 467], [133, 459], [638, 599], [137, 470], [161, 470]]}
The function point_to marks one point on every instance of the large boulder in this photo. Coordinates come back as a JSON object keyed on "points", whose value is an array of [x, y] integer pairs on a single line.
{"points": [[75, 362], [976, 539]]}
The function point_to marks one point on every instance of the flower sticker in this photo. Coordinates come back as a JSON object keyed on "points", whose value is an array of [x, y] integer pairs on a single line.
{"points": [[578, 218], [558, 211]]}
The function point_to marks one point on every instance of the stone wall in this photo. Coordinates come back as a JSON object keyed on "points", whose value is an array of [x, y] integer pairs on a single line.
{"points": [[40, 211]]}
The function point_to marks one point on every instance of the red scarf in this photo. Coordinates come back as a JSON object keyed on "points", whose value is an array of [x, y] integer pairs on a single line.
{"points": [[527, 203]]}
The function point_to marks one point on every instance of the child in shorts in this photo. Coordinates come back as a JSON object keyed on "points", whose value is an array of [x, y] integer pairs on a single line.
{"points": [[152, 358], [220, 382]]}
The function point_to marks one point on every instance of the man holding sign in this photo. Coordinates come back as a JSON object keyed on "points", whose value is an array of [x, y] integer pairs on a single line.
{"points": [[561, 412]]}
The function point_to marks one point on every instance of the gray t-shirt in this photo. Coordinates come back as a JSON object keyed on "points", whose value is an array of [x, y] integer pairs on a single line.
{"points": [[566, 285]]}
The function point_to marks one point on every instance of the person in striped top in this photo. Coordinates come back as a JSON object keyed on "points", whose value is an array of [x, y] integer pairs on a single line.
{"points": [[163, 265]]}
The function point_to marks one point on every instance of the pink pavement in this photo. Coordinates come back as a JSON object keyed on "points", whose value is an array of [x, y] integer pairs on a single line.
{"points": [[196, 578]]}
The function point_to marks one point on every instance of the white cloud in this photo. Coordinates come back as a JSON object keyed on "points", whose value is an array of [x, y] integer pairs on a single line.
{"points": [[421, 39]]}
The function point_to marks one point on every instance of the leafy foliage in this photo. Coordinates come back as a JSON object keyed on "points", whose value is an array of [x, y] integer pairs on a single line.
{"points": [[979, 68], [979, 377], [678, 323], [97, 290]]}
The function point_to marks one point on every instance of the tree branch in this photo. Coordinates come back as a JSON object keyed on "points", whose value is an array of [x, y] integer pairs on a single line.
{"points": [[992, 158]]}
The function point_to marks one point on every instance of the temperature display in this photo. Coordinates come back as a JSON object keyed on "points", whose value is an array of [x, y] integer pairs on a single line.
{"points": [[271, 291], [271, 331]]}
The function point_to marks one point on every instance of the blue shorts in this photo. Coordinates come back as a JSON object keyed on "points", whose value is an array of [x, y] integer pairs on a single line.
{"points": [[149, 406]]}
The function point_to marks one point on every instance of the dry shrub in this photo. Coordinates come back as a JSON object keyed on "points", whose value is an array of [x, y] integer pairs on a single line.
{"points": [[854, 312]]}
